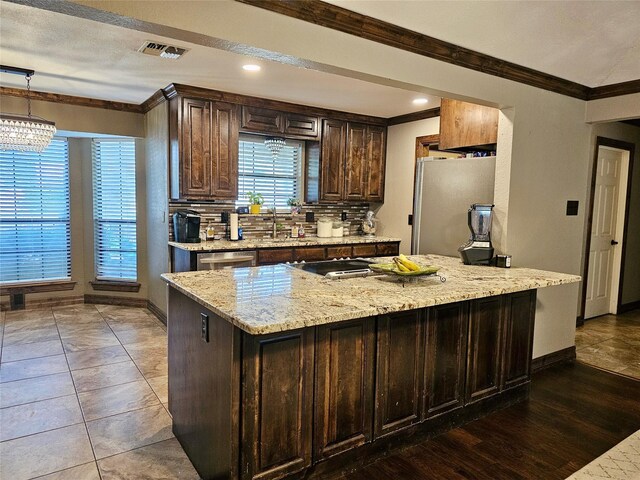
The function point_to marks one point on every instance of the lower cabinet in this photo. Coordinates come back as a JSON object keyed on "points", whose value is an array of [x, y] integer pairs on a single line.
{"points": [[519, 310], [446, 351], [399, 371], [344, 386], [277, 403], [486, 320]]}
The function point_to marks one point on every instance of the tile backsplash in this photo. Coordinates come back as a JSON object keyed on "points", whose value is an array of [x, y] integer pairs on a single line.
{"points": [[259, 226]]}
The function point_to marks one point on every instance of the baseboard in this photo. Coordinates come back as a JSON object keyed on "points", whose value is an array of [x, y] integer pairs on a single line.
{"points": [[627, 307], [579, 320], [153, 308], [45, 302], [111, 300], [546, 361]]}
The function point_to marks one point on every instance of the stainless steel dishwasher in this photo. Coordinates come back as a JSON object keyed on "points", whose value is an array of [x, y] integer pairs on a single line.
{"points": [[220, 260]]}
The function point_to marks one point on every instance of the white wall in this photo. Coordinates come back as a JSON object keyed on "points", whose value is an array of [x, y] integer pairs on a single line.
{"points": [[401, 155]]}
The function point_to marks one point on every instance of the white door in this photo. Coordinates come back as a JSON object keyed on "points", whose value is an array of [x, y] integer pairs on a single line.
{"points": [[604, 255]]}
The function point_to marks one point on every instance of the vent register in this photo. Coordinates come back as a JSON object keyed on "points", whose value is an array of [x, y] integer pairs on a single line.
{"points": [[156, 49]]}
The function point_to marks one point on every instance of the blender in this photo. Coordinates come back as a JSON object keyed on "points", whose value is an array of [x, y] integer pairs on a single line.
{"points": [[478, 250]]}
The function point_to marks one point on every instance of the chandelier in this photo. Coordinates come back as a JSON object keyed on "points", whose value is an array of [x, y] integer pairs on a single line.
{"points": [[24, 132], [274, 144]]}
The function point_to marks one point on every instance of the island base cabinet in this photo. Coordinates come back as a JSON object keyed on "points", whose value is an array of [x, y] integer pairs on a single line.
{"points": [[446, 351], [204, 386], [344, 387], [520, 309], [399, 371], [486, 319], [277, 402]]}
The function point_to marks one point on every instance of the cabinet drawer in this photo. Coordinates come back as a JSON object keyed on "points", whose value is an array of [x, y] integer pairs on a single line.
{"points": [[364, 250], [338, 252], [261, 119], [308, 254], [280, 255], [301, 125], [384, 249]]}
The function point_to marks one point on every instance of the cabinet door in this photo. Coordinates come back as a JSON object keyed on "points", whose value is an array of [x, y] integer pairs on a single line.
{"points": [[385, 249], [276, 255], [485, 346], [338, 252], [520, 315], [399, 372], [225, 151], [277, 401], [261, 120], [344, 387], [332, 160], [364, 250], [445, 358], [355, 170], [195, 154], [309, 254], [464, 124], [301, 125], [376, 154]]}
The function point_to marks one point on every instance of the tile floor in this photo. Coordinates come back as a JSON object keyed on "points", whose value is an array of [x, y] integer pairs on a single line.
{"points": [[83, 395], [611, 342]]}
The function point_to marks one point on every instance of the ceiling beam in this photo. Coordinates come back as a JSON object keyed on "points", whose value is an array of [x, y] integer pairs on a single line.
{"points": [[347, 21]]}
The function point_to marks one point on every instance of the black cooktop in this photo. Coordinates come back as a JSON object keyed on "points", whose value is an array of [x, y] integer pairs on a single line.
{"points": [[329, 266]]}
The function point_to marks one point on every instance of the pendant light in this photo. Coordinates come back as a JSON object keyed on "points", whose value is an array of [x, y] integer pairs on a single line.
{"points": [[25, 133], [274, 144]]}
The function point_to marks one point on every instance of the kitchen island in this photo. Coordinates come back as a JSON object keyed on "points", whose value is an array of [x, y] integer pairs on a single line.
{"points": [[276, 372]]}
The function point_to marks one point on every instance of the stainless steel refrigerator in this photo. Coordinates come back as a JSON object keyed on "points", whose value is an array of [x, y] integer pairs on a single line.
{"points": [[445, 188]]}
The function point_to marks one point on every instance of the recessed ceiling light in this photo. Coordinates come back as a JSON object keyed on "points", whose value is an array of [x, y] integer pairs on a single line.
{"points": [[420, 101], [251, 68]]}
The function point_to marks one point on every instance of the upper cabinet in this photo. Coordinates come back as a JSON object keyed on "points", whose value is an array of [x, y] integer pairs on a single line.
{"points": [[465, 124], [265, 120], [352, 161], [204, 149]]}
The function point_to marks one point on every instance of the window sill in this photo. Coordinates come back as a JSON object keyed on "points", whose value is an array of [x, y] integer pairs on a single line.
{"points": [[36, 287], [115, 286]]}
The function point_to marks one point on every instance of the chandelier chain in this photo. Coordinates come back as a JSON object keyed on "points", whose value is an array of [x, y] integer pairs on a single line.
{"points": [[28, 77]]}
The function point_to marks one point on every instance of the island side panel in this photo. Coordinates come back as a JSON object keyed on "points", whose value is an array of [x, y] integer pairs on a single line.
{"points": [[520, 310], [204, 387], [277, 403]]}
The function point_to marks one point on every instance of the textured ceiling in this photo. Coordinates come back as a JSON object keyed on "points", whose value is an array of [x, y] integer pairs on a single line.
{"points": [[594, 43]]}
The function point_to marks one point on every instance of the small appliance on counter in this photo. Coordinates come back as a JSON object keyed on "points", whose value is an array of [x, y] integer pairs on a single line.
{"points": [[186, 226], [478, 250]]}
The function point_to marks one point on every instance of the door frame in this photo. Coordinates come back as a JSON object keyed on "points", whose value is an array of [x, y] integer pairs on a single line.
{"points": [[630, 147]]}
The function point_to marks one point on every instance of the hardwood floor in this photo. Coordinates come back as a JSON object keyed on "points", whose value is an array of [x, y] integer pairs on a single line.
{"points": [[575, 413]]}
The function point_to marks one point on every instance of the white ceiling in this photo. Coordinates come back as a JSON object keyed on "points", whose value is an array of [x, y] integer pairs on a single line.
{"points": [[593, 43]]}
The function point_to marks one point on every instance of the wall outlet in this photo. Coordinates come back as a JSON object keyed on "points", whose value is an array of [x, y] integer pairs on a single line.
{"points": [[204, 332], [572, 207]]}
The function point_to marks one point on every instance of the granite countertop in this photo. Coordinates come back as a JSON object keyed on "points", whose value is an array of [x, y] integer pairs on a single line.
{"points": [[254, 243], [269, 299]]}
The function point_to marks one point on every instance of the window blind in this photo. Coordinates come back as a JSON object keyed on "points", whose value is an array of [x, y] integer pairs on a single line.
{"points": [[35, 242], [114, 209], [277, 179]]}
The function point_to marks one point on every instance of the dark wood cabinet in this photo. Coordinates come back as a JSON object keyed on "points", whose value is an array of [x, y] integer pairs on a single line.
{"points": [[376, 155], [339, 252], [277, 404], [204, 153], [352, 162], [484, 348], [344, 387], [464, 124], [356, 158], [265, 120], [387, 249], [519, 313], [364, 250], [399, 371], [445, 358], [309, 254], [275, 255], [332, 160]]}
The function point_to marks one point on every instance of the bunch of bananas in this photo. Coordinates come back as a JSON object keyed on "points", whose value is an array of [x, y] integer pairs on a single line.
{"points": [[406, 265]]}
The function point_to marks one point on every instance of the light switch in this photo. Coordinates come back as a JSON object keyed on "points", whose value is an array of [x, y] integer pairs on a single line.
{"points": [[572, 207]]}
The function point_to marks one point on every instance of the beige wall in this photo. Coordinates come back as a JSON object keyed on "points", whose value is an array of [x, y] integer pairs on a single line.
{"points": [[401, 155]]}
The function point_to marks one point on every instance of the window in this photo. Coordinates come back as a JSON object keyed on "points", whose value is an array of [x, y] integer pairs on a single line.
{"points": [[35, 242], [277, 179], [114, 209]]}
